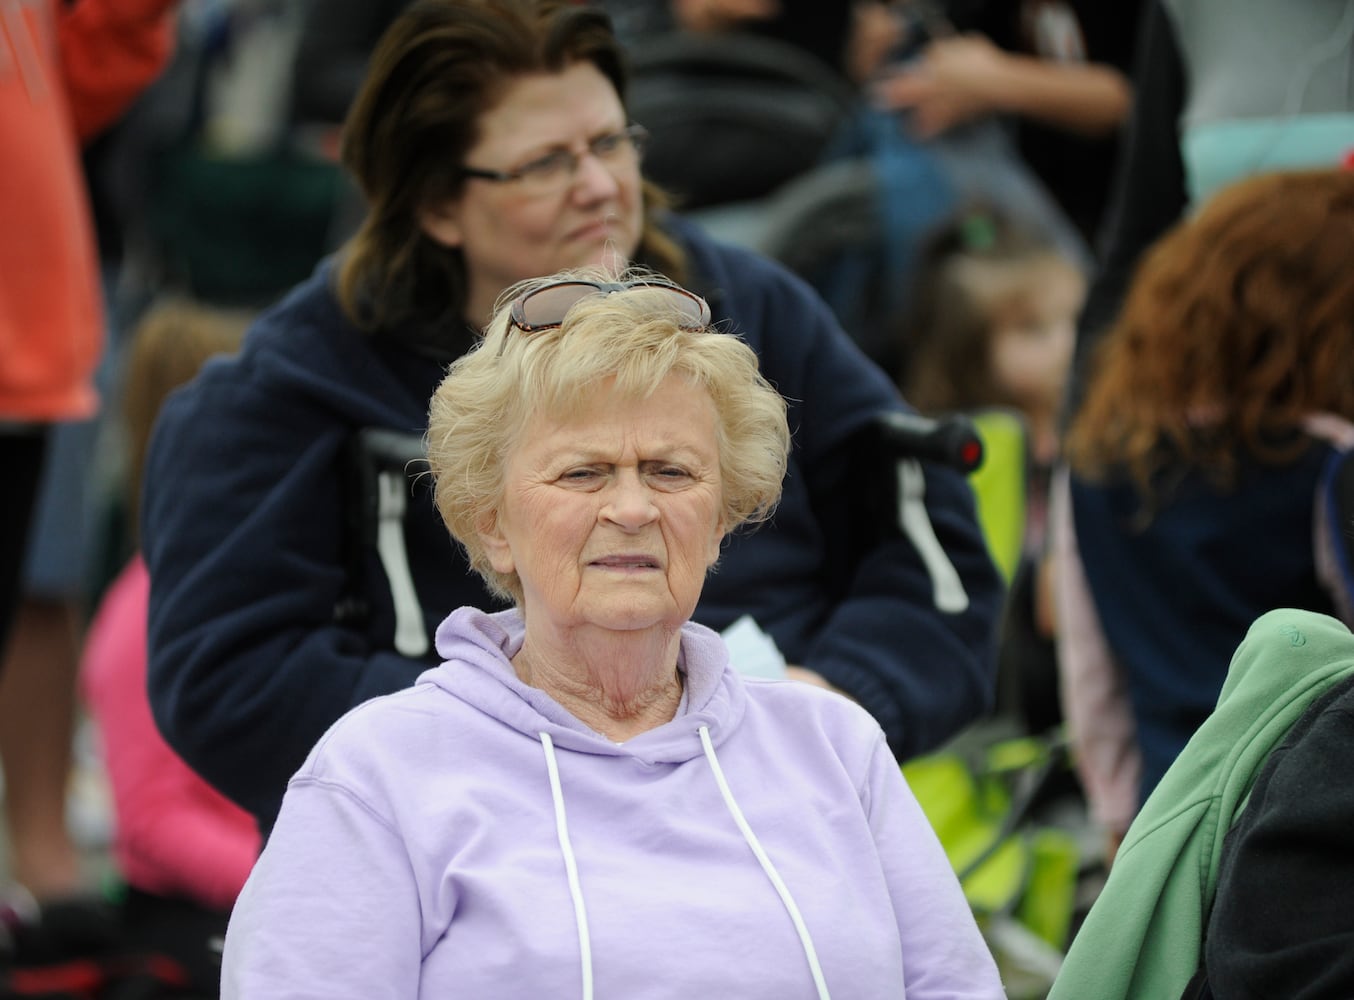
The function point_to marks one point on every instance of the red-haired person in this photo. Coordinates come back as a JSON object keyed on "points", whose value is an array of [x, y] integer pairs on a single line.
{"points": [[1211, 416]]}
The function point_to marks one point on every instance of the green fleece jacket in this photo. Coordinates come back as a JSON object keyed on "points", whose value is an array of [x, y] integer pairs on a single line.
{"points": [[1143, 936]]}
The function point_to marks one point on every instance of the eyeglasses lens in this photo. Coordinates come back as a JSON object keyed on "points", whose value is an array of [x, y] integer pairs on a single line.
{"points": [[547, 307]]}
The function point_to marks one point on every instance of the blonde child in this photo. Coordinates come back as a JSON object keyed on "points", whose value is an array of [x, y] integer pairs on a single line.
{"points": [[993, 326]]}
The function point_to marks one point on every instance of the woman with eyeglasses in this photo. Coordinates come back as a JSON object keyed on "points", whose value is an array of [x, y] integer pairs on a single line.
{"points": [[585, 798], [298, 565]]}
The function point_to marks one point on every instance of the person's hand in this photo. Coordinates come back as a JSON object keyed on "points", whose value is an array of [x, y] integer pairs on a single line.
{"points": [[875, 32], [955, 81], [721, 15]]}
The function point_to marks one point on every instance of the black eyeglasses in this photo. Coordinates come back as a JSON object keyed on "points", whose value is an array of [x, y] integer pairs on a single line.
{"points": [[559, 167], [544, 308]]}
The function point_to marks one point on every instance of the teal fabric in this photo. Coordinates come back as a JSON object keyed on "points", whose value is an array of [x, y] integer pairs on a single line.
{"points": [[1218, 153], [1143, 936], [1268, 87]]}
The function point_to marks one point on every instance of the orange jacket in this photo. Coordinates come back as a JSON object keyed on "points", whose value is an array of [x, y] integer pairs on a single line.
{"points": [[66, 72]]}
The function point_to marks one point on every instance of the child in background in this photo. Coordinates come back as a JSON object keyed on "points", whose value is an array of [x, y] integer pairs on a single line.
{"points": [[993, 325], [183, 849]]}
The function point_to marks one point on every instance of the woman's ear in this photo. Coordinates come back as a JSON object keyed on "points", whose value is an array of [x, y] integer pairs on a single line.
{"points": [[441, 222], [495, 543]]}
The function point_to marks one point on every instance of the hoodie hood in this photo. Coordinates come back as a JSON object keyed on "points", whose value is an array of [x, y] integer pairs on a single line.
{"points": [[478, 646]]}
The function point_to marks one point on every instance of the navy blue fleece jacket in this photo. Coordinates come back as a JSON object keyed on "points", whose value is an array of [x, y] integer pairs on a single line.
{"points": [[1176, 594], [290, 581]]}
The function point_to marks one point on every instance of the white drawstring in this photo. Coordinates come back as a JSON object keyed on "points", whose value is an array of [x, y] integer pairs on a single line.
{"points": [[576, 890], [781, 889], [570, 866], [947, 589], [411, 635]]}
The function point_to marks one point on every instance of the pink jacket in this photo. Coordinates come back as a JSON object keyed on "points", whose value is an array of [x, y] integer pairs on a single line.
{"points": [[176, 835]]}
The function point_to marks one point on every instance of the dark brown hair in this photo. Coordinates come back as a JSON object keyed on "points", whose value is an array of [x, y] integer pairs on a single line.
{"points": [[436, 69], [1238, 324]]}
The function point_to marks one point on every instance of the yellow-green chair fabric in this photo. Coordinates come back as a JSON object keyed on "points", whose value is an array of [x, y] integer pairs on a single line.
{"points": [[999, 484]]}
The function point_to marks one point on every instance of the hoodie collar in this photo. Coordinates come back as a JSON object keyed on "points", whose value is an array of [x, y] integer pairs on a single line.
{"points": [[478, 647]]}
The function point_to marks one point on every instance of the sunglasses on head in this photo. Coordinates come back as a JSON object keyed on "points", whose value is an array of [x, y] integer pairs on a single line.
{"points": [[544, 308]]}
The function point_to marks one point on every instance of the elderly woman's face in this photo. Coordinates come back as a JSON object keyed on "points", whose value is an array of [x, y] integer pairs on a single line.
{"points": [[612, 518], [516, 229]]}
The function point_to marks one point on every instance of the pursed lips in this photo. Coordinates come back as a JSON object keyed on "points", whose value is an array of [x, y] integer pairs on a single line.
{"points": [[626, 561]]}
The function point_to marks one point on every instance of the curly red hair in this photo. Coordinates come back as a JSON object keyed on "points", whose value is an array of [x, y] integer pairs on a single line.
{"points": [[1238, 324]]}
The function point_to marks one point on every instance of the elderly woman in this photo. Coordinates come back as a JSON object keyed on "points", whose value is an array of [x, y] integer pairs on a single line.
{"points": [[585, 796], [295, 569]]}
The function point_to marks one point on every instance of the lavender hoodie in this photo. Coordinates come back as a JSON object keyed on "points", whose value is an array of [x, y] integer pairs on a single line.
{"points": [[468, 837]]}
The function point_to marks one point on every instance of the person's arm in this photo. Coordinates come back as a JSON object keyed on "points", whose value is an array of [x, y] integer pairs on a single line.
{"points": [[175, 835], [1094, 695], [331, 910], [964, 77], [244, 532], [1281, 924], [916, 596], [110, 52], [944, 954], [1148, 193], [913, 636]]}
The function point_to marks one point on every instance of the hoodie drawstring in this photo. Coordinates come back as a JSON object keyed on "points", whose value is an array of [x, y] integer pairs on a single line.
{"points": [[781, 889], [570, 865], [576, 890]]}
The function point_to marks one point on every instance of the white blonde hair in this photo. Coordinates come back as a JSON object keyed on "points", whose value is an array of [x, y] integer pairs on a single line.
{"points": [[631, 339]]}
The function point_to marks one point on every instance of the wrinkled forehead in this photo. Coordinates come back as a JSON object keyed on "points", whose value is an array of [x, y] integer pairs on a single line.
{"points": [[610, 419], [536, 112]]}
